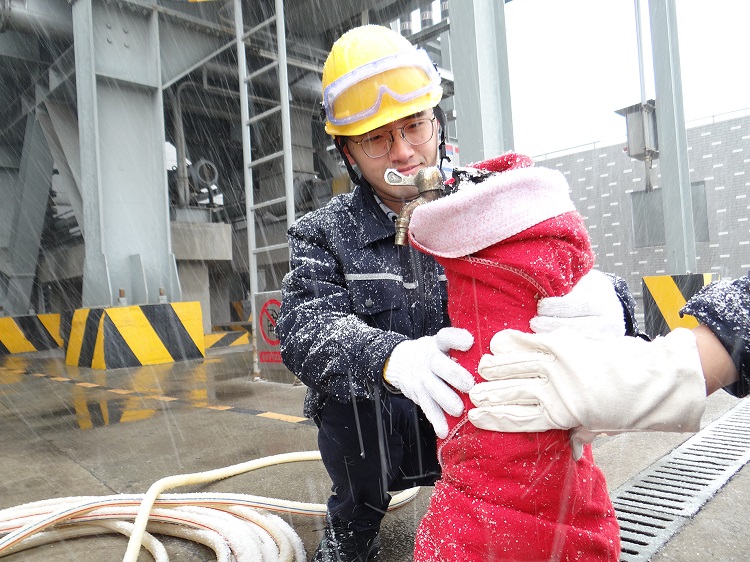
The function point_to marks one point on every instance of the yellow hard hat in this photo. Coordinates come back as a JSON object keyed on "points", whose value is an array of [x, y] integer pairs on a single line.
{"points": [[374, 76]]}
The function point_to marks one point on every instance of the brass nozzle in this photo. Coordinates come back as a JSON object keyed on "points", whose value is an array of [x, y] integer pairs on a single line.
{"points": [[429, 182]]}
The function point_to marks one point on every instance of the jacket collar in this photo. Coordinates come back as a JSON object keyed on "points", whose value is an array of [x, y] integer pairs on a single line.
{"points": [[374, 225]]}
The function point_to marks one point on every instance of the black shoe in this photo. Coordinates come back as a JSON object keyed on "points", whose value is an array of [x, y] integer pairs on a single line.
{"points": [[340, 544]]}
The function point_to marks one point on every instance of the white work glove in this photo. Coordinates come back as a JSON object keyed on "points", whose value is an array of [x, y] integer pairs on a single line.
{"points": [[591, 308], [562, 380], [422, 370]]}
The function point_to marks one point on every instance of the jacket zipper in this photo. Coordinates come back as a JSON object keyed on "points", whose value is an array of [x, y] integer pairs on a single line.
{"points": [[541, 293]]}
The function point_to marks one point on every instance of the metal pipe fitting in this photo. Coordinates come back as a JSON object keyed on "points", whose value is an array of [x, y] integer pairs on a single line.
{"points": [[429, 182]]}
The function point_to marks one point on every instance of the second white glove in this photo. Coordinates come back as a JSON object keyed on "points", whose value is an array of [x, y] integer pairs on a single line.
{"points": [[562, 380], [591, 308], [422, 370]]}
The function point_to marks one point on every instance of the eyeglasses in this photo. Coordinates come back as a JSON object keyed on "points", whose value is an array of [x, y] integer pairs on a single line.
{"points": [[378, 143], [358, 94]]}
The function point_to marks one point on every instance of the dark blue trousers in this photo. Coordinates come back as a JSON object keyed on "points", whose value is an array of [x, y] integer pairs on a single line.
{"points": [[369, 451]]}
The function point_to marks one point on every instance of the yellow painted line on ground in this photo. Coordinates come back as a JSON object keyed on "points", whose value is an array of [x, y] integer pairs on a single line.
{"points": [[120, 391], [281, 417], [88, 384], [60, 379], [160, 397]]}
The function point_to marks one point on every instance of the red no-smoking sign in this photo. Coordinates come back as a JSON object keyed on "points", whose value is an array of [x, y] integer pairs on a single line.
{"points": [[269, 315]]}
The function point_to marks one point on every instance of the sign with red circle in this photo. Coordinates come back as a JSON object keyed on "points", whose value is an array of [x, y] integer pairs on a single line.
{"points": [[269, 315]]}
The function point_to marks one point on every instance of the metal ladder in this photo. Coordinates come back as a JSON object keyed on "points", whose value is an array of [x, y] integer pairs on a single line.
{"points": [[281, 111]]}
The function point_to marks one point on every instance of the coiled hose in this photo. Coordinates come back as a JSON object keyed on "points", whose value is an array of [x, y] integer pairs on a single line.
{"points": [[237, 527]]}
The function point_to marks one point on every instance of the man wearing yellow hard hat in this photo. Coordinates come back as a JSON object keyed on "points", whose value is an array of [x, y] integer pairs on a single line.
{"points": [[380, 97], [363, 321]]}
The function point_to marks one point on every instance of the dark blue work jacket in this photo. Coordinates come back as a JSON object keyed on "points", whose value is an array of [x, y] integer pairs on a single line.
{"points": [[724, 306], [351, 296]]}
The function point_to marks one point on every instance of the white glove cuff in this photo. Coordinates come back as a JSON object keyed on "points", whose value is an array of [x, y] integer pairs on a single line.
{"points": [[400, 362], [688, 397]]}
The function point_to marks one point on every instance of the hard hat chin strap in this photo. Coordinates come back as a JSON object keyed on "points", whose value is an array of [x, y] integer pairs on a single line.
{"points": [[349, 168], [442, 152]]}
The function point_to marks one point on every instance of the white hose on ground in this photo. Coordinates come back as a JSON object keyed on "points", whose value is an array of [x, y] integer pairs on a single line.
{"points": [[134, 546], [269, 524], [232, 525], [157, 550], [150, 543], [210, 539]]}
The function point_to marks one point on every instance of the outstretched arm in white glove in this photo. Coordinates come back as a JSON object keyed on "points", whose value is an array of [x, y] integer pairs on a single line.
{"points": [[592, 308], [422, 370], [562, 380]]}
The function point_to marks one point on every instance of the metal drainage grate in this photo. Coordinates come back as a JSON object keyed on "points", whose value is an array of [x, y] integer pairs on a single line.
{"points": [[652, 506]]}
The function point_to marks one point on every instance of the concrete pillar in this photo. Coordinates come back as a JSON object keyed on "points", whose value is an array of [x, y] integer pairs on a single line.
{"points": [[194, 281], [220, 279]]}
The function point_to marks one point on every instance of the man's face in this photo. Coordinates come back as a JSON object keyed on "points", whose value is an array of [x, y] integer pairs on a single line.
{"points": [[404, 157]]}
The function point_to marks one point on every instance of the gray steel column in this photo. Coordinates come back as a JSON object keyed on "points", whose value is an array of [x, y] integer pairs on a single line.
{"points": [[286, 127], [96, 283], [61, 131], [123, 177], [32, 193], [9, 166], [670, 122], [479, 59]]}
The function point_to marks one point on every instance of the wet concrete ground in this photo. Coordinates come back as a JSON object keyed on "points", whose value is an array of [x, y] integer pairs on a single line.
{"points": [[67, 431]]}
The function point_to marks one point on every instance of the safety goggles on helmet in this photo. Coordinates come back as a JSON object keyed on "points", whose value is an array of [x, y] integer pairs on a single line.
{"points": [[358, 94]]}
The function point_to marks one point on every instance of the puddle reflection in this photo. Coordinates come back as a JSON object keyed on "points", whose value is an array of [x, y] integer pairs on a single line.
{"points": [[94, 398]]}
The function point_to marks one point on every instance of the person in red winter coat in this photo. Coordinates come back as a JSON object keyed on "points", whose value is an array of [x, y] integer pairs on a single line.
{"points": [[505, 243]]}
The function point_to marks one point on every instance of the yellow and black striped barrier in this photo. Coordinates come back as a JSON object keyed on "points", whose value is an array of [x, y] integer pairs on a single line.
{"points": [[133, 336], [664, 296], [35, 332], [241, 311], [241, 319], [227, 339], [239, 327]]}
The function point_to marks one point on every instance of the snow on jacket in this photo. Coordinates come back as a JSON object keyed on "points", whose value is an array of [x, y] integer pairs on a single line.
{"points": [[504, 244], [351, 296], [724, 306]]}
